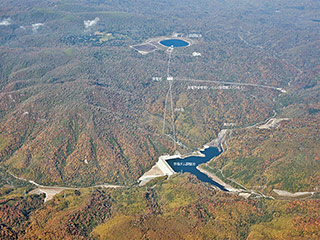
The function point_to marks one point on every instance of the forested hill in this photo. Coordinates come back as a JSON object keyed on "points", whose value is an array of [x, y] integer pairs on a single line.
{"points": [[79, 107], [178, 208]]}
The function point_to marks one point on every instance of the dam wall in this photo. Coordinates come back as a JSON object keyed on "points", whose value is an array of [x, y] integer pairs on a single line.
{"points": [[164, 166]]}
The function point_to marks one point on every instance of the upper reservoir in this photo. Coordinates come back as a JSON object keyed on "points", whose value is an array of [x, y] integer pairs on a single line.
{"points": [[189, 164], [174, 43]]}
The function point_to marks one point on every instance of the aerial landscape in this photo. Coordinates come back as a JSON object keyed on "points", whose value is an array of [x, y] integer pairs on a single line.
{"points": [[159, 119]]}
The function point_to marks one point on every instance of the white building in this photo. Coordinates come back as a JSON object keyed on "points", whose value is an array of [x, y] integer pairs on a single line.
{"points": [[196, 54]]}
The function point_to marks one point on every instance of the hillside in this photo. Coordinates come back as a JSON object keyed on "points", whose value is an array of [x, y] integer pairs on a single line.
{"points": [[77, 102], [282, 156], [90, 99], [179, 208]]}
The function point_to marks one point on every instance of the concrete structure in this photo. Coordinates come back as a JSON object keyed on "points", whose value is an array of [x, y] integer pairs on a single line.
{"points": [[161, 168], [164, 166]]}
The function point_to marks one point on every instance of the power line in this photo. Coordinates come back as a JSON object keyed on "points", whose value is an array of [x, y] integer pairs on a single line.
{"points": [[165, 111], [172, 115], [169, 94]]}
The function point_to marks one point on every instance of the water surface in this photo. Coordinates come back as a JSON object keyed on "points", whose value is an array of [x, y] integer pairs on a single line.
{"points": [[189, 164], [174, 43]]}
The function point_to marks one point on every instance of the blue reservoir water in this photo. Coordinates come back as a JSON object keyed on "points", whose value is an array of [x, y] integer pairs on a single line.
{"points": [[174, 43], [189, 164]]}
